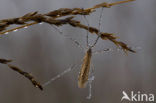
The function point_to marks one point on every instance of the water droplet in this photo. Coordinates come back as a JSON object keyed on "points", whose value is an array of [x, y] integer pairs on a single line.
{"points": [[40, 23], [25, 27], [118, 49], [36, 86], [6, 33], [139, 48], [91, 78], [110, 49], [15, 30]]}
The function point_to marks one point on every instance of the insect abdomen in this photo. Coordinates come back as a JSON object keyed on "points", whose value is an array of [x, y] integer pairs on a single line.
{"points": [[84, 73]]}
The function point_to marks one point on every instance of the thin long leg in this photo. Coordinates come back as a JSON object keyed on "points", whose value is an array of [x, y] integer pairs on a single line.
{"points": [[73, 40], [90, 80], [90, 87], [70, 68], [61, 74], [136, 48], [87, 31], [99, 26], [102, 51]]}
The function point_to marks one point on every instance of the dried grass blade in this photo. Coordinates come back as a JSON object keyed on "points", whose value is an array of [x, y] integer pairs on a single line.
{"points": [[27, 75]]}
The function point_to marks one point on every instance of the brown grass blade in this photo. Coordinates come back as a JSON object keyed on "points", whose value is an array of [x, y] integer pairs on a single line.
{"points": [[5, 61], [27, 75]]}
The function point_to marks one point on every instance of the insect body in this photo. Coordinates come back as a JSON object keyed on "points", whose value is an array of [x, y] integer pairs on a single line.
{"points": [[85, 68]]}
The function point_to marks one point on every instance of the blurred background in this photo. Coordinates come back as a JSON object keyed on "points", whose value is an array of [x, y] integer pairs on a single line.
{"points": [[43, 52]]}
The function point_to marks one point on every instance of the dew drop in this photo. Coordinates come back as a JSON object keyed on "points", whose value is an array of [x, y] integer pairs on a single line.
{"points": [[6, 33], [36, 86], [25, 27], [139, 48], [119, 49], [110, 49], [40, 23], [15, 30]]}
